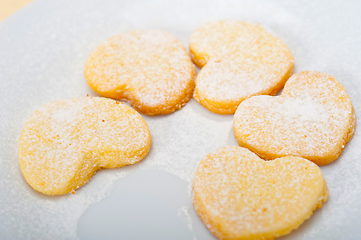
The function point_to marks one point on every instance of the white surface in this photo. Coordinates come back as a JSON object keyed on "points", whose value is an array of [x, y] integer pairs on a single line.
{"points": [[43, 48]]}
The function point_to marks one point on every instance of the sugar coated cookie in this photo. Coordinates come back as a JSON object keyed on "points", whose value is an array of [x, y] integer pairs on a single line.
{"points": [[65, 142], [239, 60], [149, 68], [313, 118], [240, 196]]}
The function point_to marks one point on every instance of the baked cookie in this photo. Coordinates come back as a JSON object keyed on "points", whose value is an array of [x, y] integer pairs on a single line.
{"points": [[313, 118], [65, 142], [239, 196], [239, 60], [150, 69]]}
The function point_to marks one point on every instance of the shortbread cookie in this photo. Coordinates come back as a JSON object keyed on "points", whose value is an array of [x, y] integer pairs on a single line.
{"points": [[240, 196], [151, 69], [65, 142], [241, 60], [313, 118]]}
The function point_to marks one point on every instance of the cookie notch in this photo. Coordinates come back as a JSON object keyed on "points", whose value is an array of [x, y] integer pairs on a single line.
{"points": [[240, 196], [65, 142], [150, 69], [238, 60], [313, 118]]}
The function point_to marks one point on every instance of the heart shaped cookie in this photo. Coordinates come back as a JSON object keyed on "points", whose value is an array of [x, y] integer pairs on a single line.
{"points": [[239, 60], [65, 142], [149, 68], [240, 196], [313, 118]]}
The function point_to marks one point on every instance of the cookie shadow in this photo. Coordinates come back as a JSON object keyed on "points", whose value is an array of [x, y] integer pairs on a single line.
{"points": [[204, 112]]}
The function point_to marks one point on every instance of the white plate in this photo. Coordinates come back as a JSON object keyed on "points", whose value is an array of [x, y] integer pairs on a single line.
{"points": [[43, 48]]}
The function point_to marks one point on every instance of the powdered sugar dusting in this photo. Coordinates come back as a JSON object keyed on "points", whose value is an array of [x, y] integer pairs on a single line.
{"points": [[43, 61], [254, 197], [234, 79], [305, 109], [313, 118], [243, 60], [65, 141], [183, 214], [150, 68]]}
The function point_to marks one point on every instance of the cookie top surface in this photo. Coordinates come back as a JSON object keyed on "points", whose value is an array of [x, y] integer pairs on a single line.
{"points": [[240, 196], [64, 142], [149, 68], [239, 60], [313, 118], [222, 39]]}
